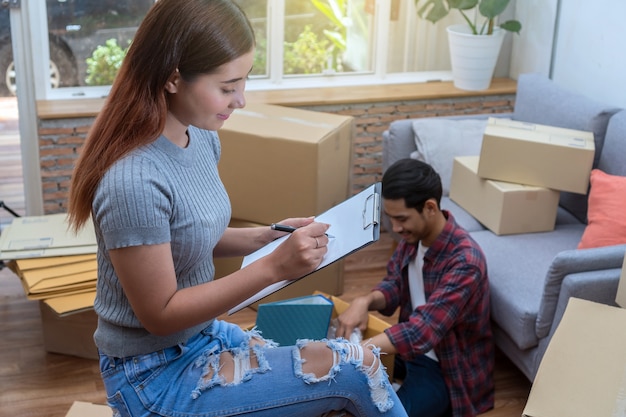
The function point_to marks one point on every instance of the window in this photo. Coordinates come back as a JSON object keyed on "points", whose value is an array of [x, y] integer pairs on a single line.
{"points": [[299, 43]]}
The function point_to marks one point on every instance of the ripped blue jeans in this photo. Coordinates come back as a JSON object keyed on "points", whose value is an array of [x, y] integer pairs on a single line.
{"points": [[225, 371]]}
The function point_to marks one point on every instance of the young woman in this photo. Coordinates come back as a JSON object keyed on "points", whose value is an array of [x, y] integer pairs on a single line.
{"points": [[147, 177]]}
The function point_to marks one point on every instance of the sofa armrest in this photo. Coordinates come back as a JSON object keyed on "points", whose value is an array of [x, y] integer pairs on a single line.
{"points": [[597, 286], [596, 263]]}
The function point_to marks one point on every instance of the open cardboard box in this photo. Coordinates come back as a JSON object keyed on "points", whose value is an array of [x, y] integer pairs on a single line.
{"points": [[583, 372], [375, 326], [69, 332]]}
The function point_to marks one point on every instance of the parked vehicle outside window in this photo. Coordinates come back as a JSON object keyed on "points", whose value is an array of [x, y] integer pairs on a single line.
{"points": [[75, 29]]}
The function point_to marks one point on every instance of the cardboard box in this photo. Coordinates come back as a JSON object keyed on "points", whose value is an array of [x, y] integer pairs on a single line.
{"points": [[583, 372], [226, 266], [70, 334], [532, 154], [329, 279], [503, 207], [84, 409], [375, 326], [279, 162], [286, 321]]}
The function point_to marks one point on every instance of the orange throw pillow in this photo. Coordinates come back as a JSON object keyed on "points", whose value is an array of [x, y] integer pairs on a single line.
{"points": [[606, 223]]}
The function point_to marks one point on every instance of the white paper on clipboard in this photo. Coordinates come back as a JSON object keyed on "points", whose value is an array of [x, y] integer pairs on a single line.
{"points": [[354, 224]]}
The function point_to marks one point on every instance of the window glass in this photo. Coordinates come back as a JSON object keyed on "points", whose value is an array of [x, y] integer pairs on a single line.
{"points": [[88, 38], [256, 10], [298, 41], [326, 37]]}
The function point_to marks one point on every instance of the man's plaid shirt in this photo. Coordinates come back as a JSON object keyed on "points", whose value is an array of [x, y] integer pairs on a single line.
{"points": [[455, 321]]}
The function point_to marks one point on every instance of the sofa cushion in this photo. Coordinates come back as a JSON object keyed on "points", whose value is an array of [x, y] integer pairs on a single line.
{"points": [[540, 100], [440, 140], [517, 266], [606, 216], [398, 142]]}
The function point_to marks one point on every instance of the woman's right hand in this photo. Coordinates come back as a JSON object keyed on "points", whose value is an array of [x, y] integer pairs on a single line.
{"points": [[301, 253]]}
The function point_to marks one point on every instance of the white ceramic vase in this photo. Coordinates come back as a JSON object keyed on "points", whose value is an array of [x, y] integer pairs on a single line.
{"points": [[473, 57]]}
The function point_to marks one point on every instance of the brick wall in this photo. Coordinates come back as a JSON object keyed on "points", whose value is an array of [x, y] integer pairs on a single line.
{"points": [[60, 139]]}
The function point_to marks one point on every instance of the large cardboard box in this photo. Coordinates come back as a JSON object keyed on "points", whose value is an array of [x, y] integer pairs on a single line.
{"points": [[328, 279], [503, 207], [583, 372], [279, 162], [533, 154], [70, 334]]}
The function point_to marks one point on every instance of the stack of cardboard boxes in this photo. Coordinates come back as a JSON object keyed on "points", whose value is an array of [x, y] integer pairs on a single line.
{"points": [[515, 183], [59, 269], [279, 162]]}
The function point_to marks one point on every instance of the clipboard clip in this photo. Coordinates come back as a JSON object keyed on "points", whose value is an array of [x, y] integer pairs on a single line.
{"points": [[369, 221]]}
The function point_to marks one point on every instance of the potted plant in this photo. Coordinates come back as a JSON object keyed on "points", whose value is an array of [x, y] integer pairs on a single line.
{"points": [[474, 46]]}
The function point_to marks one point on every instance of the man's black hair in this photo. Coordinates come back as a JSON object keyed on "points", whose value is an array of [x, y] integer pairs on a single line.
{"points": [[413, 181]]}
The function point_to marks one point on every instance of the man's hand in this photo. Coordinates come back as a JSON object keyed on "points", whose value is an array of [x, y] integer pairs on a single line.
{"points": [[356, 316]]}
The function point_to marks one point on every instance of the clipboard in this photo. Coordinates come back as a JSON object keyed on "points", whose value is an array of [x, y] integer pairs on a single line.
{"points": [[354, 224]]}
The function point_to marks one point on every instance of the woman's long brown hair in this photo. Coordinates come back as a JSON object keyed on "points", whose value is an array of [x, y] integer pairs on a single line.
{"points": [[193, 36]]}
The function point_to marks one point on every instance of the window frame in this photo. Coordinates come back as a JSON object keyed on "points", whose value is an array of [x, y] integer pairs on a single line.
{"points": [[276, 79]]}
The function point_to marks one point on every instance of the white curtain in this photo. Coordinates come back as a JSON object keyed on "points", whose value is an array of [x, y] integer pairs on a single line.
{"points": [[424, 48]]}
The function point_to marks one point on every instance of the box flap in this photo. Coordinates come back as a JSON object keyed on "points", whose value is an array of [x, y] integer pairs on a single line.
{"points": [[556, 135], [375, 325], [583, 372], [285, 123], [36, 263], [70, 304], [620, 299], [84, 409]]}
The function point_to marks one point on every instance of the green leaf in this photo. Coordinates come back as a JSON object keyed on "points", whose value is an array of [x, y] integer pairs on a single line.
{"points": [[492, 8], [462, 4], [332, 9], [512, 26], [337, 39], [432, 10]]}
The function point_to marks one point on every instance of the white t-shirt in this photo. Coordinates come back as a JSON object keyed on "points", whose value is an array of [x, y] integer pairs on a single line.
{"points": [[416, 285]]}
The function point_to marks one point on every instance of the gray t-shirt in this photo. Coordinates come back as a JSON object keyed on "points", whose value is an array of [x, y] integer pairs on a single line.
{"points": [[158, 193]]}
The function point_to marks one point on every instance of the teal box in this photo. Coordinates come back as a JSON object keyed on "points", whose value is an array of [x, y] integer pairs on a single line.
{"points": [[286, 321]]}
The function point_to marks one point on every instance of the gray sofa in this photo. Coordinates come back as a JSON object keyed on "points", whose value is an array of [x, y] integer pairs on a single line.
{"points": [[532, 275]]}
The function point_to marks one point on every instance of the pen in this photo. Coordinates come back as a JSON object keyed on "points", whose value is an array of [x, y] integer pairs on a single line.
{"points": [[289, 229]]}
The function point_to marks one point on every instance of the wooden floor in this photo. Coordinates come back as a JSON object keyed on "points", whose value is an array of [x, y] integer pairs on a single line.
{"points": [[36, 383]]}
